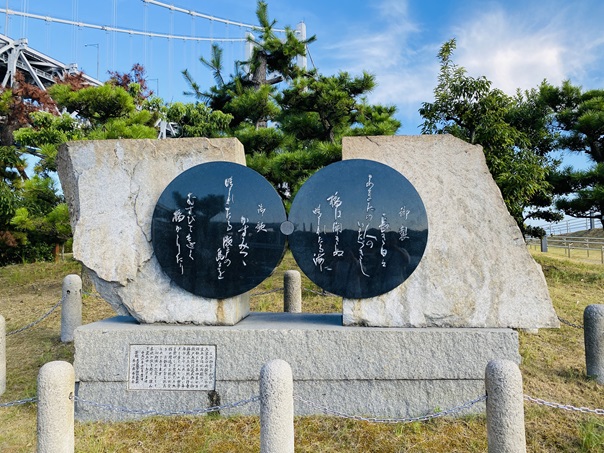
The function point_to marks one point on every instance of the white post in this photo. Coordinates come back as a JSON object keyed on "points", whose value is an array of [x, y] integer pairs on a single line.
{"points": [[2, 355], [593, 325], [249, 51], [505, 407], [276, 408], [292, 292], [71, 307], [56, 387], [301, 32]]}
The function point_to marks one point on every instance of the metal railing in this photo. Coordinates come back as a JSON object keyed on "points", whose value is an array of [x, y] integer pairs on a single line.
{"points": [[573, 246], [570, 226]]}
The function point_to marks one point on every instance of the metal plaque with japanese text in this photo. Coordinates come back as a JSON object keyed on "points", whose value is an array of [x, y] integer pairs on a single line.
{"points": [[172, 367]]}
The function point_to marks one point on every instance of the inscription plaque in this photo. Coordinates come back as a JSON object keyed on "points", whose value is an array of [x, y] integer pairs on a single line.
{"points": [[172, 367], [216, 230], [360, 228]]}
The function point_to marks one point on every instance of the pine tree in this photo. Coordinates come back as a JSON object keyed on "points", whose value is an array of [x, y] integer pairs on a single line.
{"points": [[290, 120]]}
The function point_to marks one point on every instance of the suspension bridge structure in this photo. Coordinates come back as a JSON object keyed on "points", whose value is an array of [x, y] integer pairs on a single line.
{"points": [[163, 37], [39, 69]]}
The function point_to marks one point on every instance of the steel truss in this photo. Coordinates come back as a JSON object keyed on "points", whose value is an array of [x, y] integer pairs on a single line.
{"points": [[38, 68]]}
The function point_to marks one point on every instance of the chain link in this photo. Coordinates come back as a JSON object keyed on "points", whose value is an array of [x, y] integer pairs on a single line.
{"points": [[38, 321], [33, 399], [421, 418], [266, 292], [568, 323], [320, 293], [314, 291], [566, 407], [198, 411]]}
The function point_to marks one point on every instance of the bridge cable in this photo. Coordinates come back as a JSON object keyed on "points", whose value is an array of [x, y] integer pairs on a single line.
{"points": [[108, 28], [208, 17]]}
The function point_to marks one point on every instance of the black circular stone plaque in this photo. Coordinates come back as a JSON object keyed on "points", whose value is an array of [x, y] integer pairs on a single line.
{"points": [[216, 230], [360, 228]]}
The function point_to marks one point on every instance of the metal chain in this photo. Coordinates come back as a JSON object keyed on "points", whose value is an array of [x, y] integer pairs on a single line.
{"points": [[266, 292], [320, 293], [198, 411], [33, 399], [421, 418], [566, 407], [568, 323], [38, 321]]}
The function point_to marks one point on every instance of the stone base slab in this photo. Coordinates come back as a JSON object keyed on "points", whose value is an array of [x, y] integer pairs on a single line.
{"points": [[383, 372]]}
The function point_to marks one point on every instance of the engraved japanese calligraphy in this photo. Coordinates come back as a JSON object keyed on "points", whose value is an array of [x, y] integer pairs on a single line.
{"points": [[216, 230], [360, 228]]}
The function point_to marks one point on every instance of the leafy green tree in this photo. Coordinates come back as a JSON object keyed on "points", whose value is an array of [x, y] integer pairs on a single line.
{"points": [[197, 120], [40, 222], [17, 103], [44, 134], [35, 220], [134, 82], [513, 132]]}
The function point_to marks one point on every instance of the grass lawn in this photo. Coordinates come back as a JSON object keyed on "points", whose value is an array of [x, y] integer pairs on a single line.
{"points": [[553, 368]]}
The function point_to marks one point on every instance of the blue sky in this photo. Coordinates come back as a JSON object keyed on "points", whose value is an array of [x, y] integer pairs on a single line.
{"points": [[516, 44]]}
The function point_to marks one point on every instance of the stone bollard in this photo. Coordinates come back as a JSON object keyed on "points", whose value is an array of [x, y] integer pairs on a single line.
{"points": [[276, 408], [544, 244], [71, 307], [505, 407], [593, 323], [56, 384], [292, 292], [2, 355]]}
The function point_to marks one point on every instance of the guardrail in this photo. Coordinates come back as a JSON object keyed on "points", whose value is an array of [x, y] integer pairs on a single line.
{"points": [[570, 226], [592, 247]]}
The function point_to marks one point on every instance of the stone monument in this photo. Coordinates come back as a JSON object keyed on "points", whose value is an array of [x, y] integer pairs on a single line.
{"points": [[111, 188], [476, 270], [422, 344]]}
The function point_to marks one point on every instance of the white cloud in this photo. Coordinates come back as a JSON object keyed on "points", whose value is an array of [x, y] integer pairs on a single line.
{"points": [[519, 49], [513, 46], [375, 44], [380, 46]]}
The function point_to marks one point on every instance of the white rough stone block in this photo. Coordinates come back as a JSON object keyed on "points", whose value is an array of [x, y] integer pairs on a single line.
{"points": [[593, 322], [292, 292], [476, 270], [71, 307], [276, 408], [111, 188], [56, 384], [505, 407]]}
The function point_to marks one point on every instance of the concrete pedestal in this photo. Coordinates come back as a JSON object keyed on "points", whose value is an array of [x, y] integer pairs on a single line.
{"points": [[385, 372]]}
